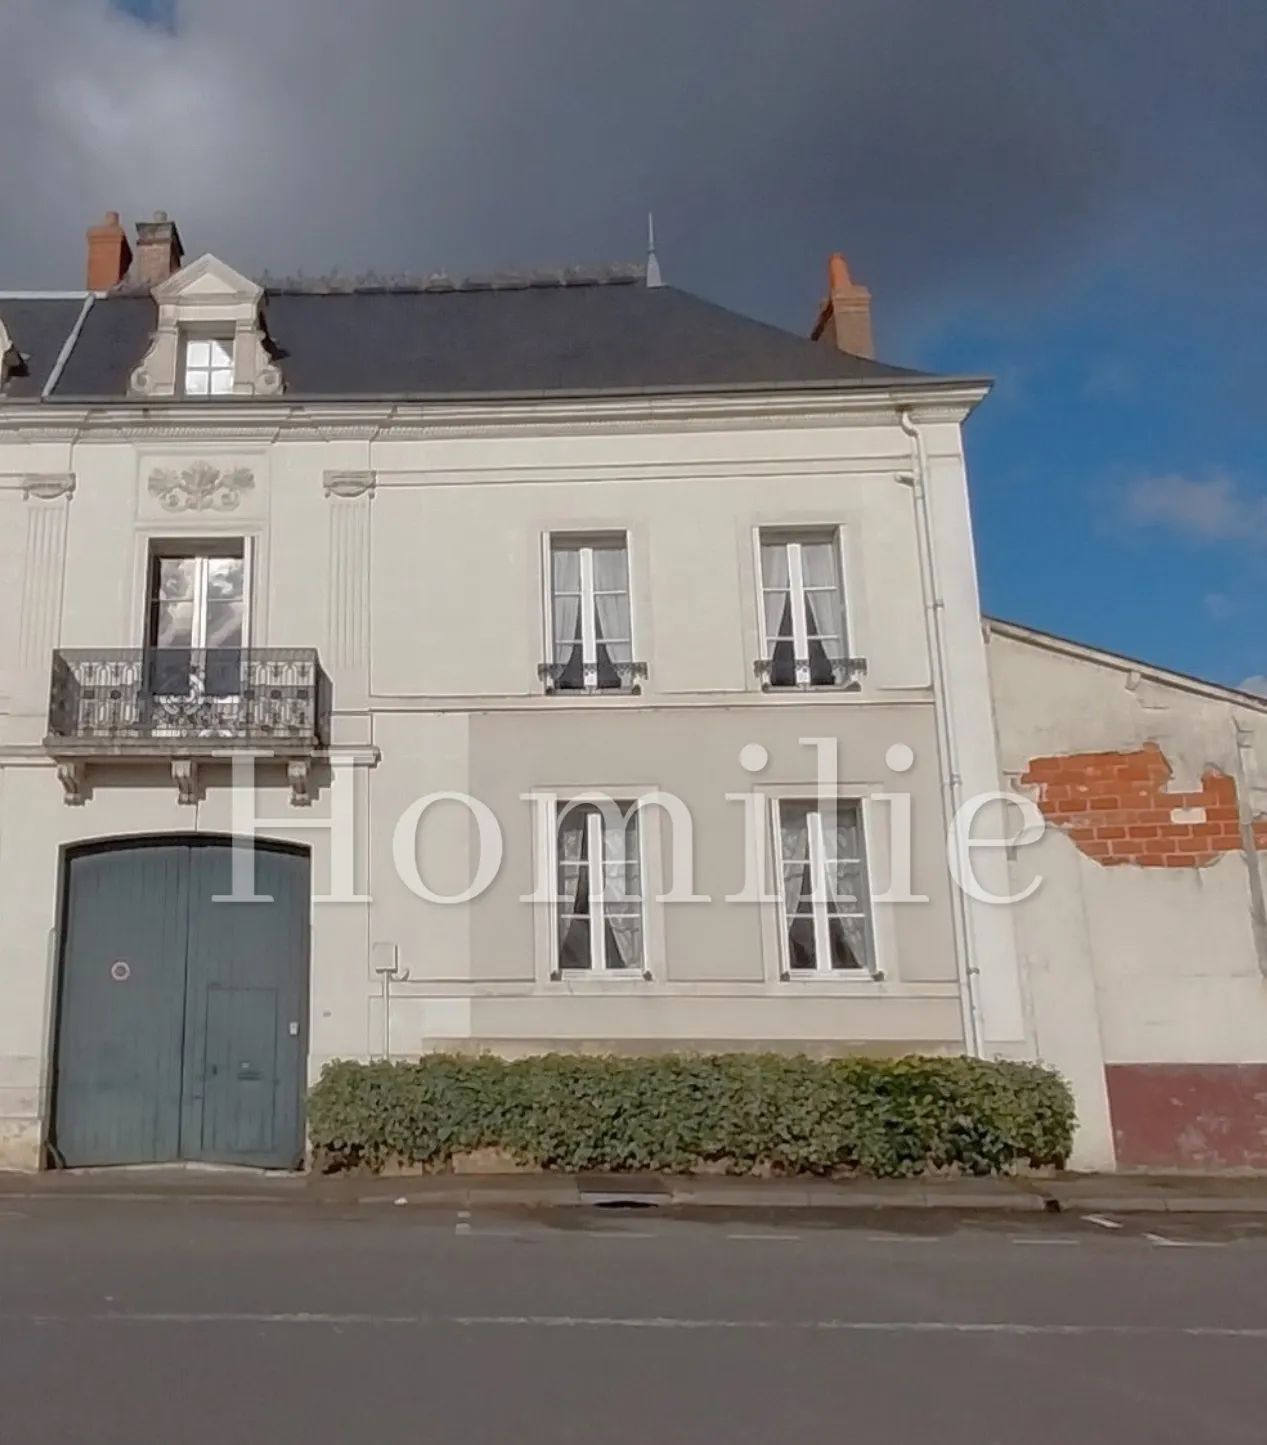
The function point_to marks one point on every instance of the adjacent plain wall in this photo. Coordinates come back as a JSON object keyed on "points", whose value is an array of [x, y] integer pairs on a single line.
{"points": [[1124, 964]]}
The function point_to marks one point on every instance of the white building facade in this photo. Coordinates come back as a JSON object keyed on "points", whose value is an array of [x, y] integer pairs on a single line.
{"points": [[593, 669]]}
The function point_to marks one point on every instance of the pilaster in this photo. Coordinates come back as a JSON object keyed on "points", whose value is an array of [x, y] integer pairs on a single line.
{"points": [[347, 658], [48, 496]]}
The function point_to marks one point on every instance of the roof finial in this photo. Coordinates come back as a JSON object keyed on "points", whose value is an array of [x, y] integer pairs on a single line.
{"points": [[654, 278]]}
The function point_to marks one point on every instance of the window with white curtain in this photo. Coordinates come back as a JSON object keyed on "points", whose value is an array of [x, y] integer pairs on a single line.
{"points": [[599, 868], [826, 907], [208, 366], [591, 627], [805, 643]]}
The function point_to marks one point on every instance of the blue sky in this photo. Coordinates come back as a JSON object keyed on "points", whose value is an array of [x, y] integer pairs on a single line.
{"points": [[1071, 198], [159, 13], [1119, 472]]}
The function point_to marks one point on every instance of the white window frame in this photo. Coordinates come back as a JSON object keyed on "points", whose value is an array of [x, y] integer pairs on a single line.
{"points": [[599, 966], [585, 543], [203, 550], [210, 371], [820, 891], [793, 539]]}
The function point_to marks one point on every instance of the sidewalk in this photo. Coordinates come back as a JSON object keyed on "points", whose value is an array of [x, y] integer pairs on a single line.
{"points": [[1120, 1194]]}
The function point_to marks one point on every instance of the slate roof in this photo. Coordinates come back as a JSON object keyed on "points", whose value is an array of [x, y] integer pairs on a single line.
{"points": [[38, 328], [568, 334]]}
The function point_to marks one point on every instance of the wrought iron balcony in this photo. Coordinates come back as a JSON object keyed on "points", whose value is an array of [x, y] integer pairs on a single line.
{"points": [[164, 702], [592, 677], [777, 673]]}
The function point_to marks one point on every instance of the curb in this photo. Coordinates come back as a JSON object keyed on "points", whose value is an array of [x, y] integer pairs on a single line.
{"points": [[520, 1192]]}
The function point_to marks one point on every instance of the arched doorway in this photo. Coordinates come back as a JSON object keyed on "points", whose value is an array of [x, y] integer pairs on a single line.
{"points": [[182, 1014]]}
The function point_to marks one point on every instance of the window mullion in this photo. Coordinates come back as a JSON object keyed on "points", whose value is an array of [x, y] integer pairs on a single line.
{"points": [[589, 640], [818, 887], [796, 589], [780, 882], [598, 910], [201, 577]]}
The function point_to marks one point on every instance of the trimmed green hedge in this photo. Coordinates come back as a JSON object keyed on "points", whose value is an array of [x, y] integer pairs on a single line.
{"points": [[674, 1114]]}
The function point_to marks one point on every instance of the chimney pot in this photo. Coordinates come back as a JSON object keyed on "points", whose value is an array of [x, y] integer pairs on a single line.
{"points": [[109, 254], [159, 251], [845, 318]]}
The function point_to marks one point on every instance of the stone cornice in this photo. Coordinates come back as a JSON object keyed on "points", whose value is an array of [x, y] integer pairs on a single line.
{"points": [[262, 420]]}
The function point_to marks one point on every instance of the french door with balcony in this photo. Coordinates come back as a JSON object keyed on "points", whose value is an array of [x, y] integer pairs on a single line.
{"points": [[197, 624]]}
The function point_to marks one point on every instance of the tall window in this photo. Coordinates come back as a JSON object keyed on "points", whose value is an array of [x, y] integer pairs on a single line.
{"points": [[197, 619], [803, 611], [826, 905], [590, 623], [600, 888], [208, 367]]}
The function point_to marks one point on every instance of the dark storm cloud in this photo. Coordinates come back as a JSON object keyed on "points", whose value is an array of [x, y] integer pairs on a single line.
{"points": [[962, 151]]}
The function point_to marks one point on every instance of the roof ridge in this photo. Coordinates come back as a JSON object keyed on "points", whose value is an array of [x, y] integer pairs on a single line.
{"points": [[618, 273]]}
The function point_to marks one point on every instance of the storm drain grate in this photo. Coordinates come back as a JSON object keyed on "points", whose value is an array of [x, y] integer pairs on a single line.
{"points": [[622, 1201]]}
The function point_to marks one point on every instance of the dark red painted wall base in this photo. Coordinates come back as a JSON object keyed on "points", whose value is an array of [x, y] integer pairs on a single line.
{"points": [[1189, 1116]]}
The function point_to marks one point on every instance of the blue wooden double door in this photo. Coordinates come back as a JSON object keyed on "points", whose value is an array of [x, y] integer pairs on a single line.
{"points": [[182, 1012]]}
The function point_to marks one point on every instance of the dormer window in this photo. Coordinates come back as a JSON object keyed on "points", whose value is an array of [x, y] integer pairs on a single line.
{"points": [[208, 366], [210, 340]]}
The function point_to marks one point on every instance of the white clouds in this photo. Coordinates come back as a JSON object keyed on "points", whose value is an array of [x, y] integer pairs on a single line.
{"points": [[1255, 685], [1214, 510]]}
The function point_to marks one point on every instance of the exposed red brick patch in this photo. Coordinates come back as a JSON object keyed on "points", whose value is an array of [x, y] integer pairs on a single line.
{"points": [[1115, 807]]}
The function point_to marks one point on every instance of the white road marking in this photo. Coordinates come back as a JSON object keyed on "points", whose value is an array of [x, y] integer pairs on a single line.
{"points": [[609, 1322], [904, 1238], [463, 1225], [766, 1238], [1103, 1221], [1185, 1243], [1043, 1239]]}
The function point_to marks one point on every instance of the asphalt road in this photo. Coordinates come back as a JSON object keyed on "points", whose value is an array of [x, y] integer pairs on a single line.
{"points": [[231, 1325]]}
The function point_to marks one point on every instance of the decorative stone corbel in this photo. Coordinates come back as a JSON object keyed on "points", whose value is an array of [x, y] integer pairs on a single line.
{"points": [[74, 780], [299, 776], [185, 776], [350, 485], [48, 486]]}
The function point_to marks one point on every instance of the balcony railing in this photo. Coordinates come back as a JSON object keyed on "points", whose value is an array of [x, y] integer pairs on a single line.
{"points": [[592, 677], [161, 700], [777, 673]]}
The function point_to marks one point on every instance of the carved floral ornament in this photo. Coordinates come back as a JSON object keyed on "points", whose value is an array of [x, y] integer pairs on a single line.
{"points": [[201, 488]]}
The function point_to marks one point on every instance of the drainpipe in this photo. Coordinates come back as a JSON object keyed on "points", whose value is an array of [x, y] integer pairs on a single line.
{"points": [[947, 749], [387, 965], [1245, 811]]}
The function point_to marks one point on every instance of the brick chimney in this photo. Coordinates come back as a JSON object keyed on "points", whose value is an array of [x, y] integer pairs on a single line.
{"points": [[845, 318], [109, 254], [158, 250]]}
